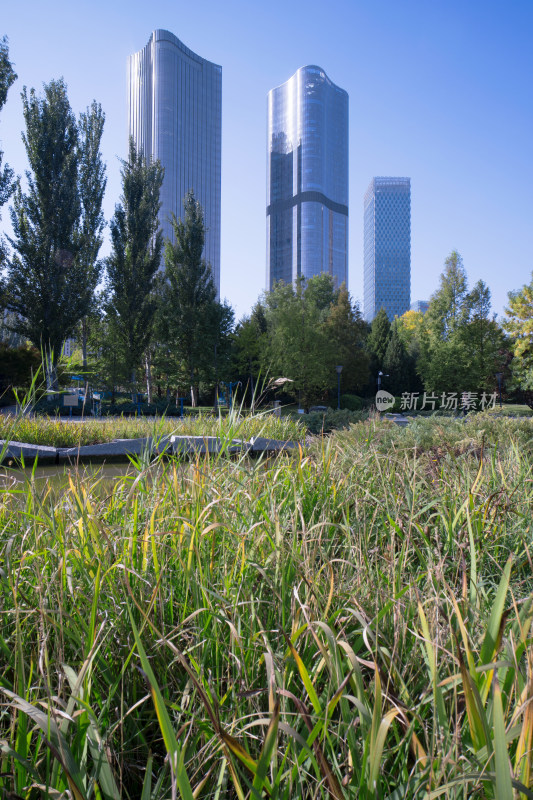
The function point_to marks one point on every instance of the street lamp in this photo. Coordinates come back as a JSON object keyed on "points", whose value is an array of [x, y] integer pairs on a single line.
{"points": [[499, 376], [338, 370], [380, 376]]}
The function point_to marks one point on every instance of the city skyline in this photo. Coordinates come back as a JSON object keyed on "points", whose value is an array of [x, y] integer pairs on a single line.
{"points": [[307, 179], [174, 115], [387, 245], [440, 94]]}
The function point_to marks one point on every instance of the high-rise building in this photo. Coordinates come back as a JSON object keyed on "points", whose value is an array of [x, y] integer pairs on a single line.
{"points": [[307, 179], [387, 247], [175, 115], [420, 305]]}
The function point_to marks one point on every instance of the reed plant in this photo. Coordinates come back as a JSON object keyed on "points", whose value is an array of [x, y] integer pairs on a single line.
{"points": [[349, 621], [60, 432]]}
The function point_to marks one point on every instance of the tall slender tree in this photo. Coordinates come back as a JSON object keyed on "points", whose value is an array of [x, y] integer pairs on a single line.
{"points": [[7, 78], [194, 320], [448, 308], [57, 224], [132, 267], [92, 184]]}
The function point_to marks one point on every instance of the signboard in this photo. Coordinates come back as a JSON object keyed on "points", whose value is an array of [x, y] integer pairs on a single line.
{"points": [[70, 400]]}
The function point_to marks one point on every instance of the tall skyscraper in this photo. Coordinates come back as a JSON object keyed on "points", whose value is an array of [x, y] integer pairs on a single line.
{"points": [[387, 256], [175, 115], [307, 179]]}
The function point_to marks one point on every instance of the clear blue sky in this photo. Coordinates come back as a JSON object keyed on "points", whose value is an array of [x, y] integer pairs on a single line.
{"points": [[440, 91]]}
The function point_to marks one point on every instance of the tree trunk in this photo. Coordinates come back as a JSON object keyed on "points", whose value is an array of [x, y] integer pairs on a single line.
{"points": [[193, 393], [133, 387], [84, 327], [52, 382], [252, 388], [148, 367]]}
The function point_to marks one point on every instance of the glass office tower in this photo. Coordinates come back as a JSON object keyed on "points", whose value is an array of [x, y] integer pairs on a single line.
{"points": [[307, 179], [175, 115], [387, 248]]}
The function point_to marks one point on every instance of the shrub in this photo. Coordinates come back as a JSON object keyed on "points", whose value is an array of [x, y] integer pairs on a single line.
{"points": [[352, 402]]}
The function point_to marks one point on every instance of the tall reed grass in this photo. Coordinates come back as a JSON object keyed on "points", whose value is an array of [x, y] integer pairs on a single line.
{"points": [[56, 432], [350, 622]]}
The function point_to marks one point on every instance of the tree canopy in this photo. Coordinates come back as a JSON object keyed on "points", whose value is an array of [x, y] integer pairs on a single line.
{"points": [[57, 224], [198, 326], [7, 78], [133, 265], [519, 325]]}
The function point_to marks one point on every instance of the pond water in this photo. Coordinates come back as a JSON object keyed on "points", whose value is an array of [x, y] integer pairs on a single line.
{"points": [[58, 476]]}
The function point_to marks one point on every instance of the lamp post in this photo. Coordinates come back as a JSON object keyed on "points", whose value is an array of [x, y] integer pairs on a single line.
{"points": [[380, 376], [499, 376], [338, 369]]}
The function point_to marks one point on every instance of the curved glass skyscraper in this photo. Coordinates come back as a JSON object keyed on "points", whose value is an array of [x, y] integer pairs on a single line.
{"points": [[307, 179], [175, 115]]}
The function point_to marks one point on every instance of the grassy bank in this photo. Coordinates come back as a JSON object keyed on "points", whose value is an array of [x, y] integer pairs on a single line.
{"points": [[63, 433], [350, 623]]}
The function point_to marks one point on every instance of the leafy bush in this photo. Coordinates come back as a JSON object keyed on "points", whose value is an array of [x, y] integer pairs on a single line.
{"points": [[352, 402]]}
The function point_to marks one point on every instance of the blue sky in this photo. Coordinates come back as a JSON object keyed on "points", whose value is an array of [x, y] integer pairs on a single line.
{"points": [[440, 91]]}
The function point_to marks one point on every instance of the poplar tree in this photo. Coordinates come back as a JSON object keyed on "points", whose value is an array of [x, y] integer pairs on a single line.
{"points": [[197, 325], [132, 267], [92, 185], [57, 223], [7, 77]]}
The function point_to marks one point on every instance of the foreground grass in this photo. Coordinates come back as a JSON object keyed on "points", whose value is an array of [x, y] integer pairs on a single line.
{"points": [[351, 623], [63, 433]]}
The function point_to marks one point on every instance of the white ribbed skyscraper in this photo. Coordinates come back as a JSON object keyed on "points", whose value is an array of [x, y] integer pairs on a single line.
{"points": [[175, 115]]}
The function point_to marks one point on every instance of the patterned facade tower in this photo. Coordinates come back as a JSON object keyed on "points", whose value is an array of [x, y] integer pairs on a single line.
{"points": [[175, 115], [387, 254], [307, 179]]}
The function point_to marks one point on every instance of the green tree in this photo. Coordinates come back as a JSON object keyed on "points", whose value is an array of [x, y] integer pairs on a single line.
{"points": [[299, 346], [483, 339], [396, 364], [57, 225], [249, 341], [378, 338], [519, 325], [92, 184], [197, 325], [133, 265], [443, 359], [7, 78], [347, 332], [461, 348], [448, 308]]}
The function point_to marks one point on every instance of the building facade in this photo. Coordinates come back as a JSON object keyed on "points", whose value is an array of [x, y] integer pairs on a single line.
{"points": [[420, 305], [387, 247], [175, 115], [307, 179]]}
